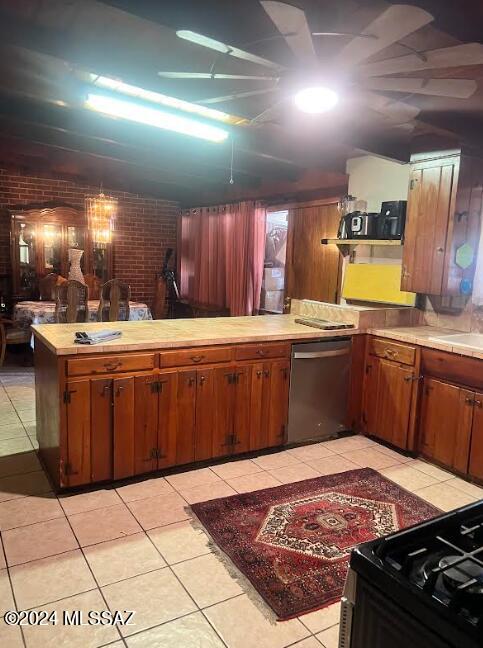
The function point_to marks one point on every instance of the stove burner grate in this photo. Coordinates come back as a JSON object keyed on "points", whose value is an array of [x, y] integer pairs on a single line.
{"points": [[447, 566]]}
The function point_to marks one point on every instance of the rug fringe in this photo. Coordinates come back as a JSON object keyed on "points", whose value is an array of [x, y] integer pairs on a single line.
{"points": [[233, 570]]}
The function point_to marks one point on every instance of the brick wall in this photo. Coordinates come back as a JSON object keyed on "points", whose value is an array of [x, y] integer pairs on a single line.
{"points": [[144, 228]]}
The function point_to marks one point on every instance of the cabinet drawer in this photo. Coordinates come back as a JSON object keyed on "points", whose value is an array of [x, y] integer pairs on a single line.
{"points": [[110, 364], [392, 350], [452, 367], [257, 351], [195, 356]]}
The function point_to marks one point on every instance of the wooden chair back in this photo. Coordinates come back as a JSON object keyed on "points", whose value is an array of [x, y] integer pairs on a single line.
{"points": [[94, 284], [47, 286], [71, 302], [11, 333], [114, 302]]}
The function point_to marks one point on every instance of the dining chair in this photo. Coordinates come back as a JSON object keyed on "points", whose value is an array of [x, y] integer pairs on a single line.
{"points": [[94, 284], [114, 302], [47, 286], [71, 302], [11, 333]]}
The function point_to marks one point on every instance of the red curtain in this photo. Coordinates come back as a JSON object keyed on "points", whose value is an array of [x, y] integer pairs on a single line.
{"points": [[222, 254]]}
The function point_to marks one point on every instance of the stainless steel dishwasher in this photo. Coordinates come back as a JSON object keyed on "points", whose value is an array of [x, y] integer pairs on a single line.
{"points": [[319, 389]]}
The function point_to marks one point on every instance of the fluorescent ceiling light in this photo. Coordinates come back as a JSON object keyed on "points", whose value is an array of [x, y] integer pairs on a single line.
{"points": [[154, 117], [316, 100], [165, 100]]}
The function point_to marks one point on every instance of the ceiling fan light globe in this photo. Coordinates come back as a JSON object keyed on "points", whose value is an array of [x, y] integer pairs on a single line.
{"points": [[316, 100]]}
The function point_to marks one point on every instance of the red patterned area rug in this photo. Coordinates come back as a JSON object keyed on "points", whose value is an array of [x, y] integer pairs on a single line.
{"points": [[293, 542]]}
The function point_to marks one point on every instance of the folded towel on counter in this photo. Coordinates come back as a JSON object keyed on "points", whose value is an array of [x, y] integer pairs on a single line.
{"points": [[81, 337]]}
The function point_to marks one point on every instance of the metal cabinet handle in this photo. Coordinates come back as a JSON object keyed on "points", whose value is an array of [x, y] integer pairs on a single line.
{"points": [[119, 391], [111, 366], [197, 358], [478, 403], [261, 352], [191, 381], [259, 374], [266, 373], [320, 354], [202, 379]]}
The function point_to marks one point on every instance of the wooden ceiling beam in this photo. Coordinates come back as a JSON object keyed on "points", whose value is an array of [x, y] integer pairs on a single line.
{"points": [[128, 140], [254, 144]]}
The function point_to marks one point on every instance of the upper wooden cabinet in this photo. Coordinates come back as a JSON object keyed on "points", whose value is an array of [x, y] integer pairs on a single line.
{"points": [[40, 240], [444, 212]]}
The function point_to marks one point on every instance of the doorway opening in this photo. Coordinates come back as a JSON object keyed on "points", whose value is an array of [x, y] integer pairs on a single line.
{"points": [[273, 285]]}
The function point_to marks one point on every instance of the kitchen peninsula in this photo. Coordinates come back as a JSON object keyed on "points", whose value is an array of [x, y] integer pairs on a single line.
{"points": [[166, 393]]}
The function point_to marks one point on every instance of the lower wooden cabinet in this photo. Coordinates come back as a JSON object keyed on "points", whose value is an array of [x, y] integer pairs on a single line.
{"points": [[129, 425], [475, 467], [100, 430], [451, 426], [75, 466], [155, 421], [446, 417], [389, 395], [394, 399]]}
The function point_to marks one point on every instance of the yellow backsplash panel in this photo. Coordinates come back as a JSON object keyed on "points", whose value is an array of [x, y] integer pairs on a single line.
{"points": [[376, 282]]}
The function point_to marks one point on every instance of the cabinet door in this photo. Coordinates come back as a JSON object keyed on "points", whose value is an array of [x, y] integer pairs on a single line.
{"points": [[124, 450], [278, 405], [394, 396], [223, 406], [205, 415], [430, 202], [101, 429], [242, 406], [168, 419], [146, 416], [260, 405], [78, 465], [476, 453], [446, 418], [369, 399], [186, 403]]}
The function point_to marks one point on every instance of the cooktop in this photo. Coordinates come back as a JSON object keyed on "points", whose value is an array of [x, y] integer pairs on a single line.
{"points": [[435, 571]]}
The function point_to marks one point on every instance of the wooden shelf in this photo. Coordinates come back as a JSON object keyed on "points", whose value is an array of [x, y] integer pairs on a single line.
{"points": [[361, 241]]}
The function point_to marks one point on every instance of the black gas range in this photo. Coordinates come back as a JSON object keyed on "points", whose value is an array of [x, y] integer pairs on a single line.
{"points": [[421, 587]]}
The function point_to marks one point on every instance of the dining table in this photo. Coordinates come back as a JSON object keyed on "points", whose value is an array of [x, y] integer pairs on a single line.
{"points": [[26, 313]]}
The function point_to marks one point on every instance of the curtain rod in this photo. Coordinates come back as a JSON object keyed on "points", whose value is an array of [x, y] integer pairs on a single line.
{"points": [[223, 206]]}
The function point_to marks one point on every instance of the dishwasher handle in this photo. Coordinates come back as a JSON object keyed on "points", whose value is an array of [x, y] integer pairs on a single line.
{"points": [[306, 355]]}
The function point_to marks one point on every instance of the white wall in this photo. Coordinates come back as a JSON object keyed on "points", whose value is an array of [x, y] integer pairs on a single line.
{"points": [[375, 180]]}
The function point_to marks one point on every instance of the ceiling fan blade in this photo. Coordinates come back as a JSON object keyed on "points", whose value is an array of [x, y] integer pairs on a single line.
{"points": [[215, 75], [213, 44], [397, 112], [292, 23], [269, 114], [459, 88], [236, 95], [467, 54], [392, 25]]}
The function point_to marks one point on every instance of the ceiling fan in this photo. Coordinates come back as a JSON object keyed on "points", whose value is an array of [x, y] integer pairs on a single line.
{"points": [[315, 85]]}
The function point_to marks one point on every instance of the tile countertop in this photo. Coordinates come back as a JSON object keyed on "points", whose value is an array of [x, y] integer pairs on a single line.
{"points": [[171, 334], [423, 336]]}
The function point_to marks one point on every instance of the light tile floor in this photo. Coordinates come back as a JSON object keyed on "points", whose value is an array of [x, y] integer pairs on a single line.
{"points": [[133, 548]]}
